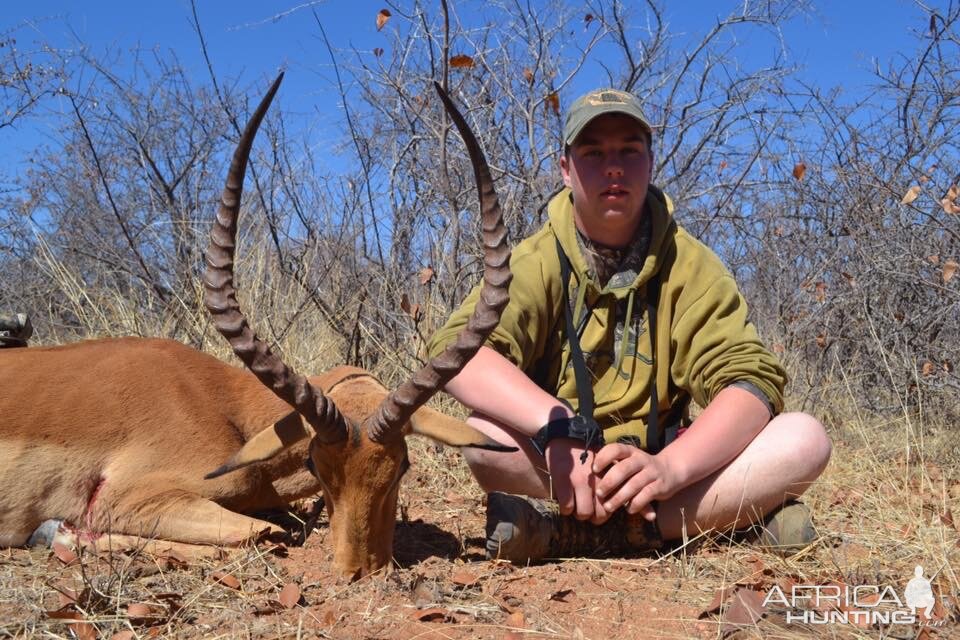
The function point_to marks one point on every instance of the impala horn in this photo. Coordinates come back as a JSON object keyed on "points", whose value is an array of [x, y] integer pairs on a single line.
{"points": [[221, 301], [399, 406]]}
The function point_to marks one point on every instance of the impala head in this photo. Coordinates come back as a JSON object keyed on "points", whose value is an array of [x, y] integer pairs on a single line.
{"points": [[358, 450]]}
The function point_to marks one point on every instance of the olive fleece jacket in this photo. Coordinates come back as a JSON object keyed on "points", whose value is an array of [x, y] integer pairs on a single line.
{"points": [[704, 339]]}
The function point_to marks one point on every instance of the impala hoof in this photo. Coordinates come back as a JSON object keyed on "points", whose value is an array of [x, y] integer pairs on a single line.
{"points": [[44, 534]]}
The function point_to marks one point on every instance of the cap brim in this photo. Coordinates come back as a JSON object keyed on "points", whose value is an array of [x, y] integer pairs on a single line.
{"points": [[603, 110]]}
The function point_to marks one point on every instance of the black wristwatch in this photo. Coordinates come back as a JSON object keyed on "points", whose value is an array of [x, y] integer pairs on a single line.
{"points": [[577, 427]]}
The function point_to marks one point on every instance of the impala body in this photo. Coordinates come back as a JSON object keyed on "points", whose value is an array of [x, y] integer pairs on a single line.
{"points": [[151, 438], [128, 428], [118, 434]]}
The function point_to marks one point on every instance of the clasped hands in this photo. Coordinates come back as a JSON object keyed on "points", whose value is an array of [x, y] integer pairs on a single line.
{"points": [[618, 475]]}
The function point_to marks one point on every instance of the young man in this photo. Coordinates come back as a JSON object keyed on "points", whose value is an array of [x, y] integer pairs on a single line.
{"points": [[655, 320]]}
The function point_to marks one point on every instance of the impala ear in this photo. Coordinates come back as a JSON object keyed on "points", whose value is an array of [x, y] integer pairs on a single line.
{"points": [[450, 431], [266, 444]]}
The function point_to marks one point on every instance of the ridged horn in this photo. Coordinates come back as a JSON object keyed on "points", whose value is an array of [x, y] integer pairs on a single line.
{"points": [[399, 406], [221, 300]]}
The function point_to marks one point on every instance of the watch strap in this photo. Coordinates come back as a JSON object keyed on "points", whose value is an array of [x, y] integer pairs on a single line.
{"points": [[576, 427]]}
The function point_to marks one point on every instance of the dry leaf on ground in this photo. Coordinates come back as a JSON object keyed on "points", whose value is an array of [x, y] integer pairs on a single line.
{"points": [[84, 631], [64, 554], [64, 614], [226, 579], [759, 572], [174, 559], [140, 610], [290, 595], [718, 599], [464, 578], [746, 608]]}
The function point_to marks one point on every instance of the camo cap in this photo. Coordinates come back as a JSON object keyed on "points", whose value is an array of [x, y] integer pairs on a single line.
{"points": [[596, 103]]}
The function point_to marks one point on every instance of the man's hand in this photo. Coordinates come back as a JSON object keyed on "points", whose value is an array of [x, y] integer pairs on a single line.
{"points": [[633, 478], [574, 484]]}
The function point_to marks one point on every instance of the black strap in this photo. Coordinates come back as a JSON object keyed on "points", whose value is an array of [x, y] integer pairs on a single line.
{"points": [[584, 386], [654, 443], [656, 440], [578, 427]]}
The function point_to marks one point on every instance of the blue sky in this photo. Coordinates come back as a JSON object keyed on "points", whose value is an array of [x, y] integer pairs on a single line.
{"points": [[836, 46]]}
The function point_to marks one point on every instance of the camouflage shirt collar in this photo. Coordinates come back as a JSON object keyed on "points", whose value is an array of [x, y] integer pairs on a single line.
{"points": [[617, 267]]}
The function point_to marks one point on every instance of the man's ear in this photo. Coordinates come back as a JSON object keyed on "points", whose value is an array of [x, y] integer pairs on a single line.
{"points": [[565, 168]]}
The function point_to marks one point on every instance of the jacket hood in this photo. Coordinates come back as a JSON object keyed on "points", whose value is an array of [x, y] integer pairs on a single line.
{"points": [[660, 209]]}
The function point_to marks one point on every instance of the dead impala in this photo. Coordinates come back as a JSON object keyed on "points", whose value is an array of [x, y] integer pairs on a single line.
{"points": [[118, 435]]}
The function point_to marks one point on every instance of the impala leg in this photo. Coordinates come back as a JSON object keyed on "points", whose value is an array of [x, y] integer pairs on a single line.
{"points": [[178, 516], [110, 542], [14, 538]]}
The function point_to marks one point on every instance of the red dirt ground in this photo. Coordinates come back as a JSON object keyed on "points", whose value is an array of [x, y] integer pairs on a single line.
{"points": [[443, 587]]}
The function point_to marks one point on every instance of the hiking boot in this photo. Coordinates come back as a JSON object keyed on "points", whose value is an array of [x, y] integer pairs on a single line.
{"points": [[522, 530], [15, 330], [785, 531]]}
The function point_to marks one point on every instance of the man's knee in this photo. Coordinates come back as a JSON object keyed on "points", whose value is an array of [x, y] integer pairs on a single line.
{"points": [[478, 458], [514, 472], [508, 472], [805, 440], [488, 472]]}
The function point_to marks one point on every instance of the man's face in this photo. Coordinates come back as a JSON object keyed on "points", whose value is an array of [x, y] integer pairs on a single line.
{"points": [[608, 169]]}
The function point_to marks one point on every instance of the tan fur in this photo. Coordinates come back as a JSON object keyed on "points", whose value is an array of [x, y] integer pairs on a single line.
{"points": [[135, 424]]}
